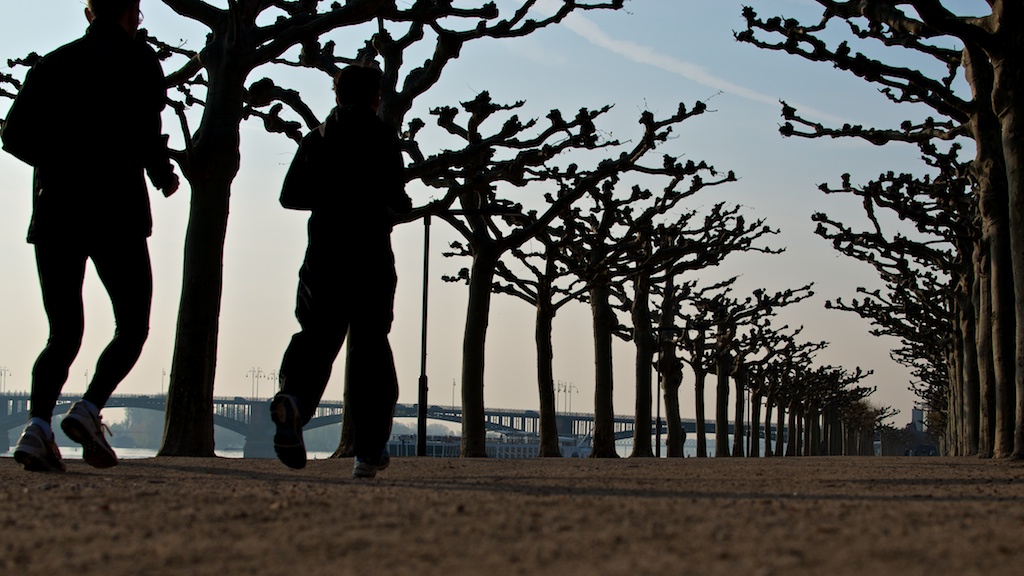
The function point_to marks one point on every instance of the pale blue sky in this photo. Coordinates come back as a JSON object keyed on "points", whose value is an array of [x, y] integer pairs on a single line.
{"points": [[654, 55]]}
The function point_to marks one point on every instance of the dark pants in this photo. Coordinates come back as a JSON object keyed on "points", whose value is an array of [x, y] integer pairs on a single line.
{"points": [[124, 269], [335, 301]]}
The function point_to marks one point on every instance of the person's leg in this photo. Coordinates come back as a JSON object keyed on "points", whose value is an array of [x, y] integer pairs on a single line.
{"points": [[373, 383], [309, 358], [373, 392], [306, 366], [126, 273], [61, 273]]}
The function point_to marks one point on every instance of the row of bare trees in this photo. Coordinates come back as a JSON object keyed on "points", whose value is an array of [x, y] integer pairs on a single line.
{"points": [[607, 224], [954, 278], [621, 249]]}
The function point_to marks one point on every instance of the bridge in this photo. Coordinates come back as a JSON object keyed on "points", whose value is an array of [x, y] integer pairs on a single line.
{"points": [[251, 418]]}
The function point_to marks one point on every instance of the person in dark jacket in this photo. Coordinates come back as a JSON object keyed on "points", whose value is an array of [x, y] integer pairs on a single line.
{"points": [[349, 173], [88, 121]]}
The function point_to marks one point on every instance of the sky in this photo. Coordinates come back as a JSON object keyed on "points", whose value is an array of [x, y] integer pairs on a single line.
{"points": [[650, 56]]}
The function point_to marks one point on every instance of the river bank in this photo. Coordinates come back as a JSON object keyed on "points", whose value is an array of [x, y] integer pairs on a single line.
{"points": [[793, 516]]}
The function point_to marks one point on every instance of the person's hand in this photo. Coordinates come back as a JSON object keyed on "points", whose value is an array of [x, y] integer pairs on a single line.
{"points": [[171, 186]]}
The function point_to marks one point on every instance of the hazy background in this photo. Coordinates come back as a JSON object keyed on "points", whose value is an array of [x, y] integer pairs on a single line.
{"points": [[653, 55]]}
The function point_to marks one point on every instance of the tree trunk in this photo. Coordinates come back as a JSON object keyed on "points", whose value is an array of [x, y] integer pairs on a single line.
{"points": [[983, 341], [188, 427], [1008, 104], [867, 442], [676, 435], [780, 430], [188, 422], [643, 339], [722, 371], [671, 370], [755, 424], [793, 437], [956, 390], [768, 452], [604, 412], [213, 162], [702, 427], [814, 433], [545, 373], [739, 426], [826, 432], [347, 440], [993, 263], [836, 435], [969, 371], [474, 432]]}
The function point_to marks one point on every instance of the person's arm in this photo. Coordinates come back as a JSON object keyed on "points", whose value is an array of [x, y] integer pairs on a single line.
{"points": [[393, 179], [25, 130], [157, 160], [299, 191]]}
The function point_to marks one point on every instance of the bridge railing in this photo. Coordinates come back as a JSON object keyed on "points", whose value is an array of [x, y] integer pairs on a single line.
{"points": [[14, 406]]}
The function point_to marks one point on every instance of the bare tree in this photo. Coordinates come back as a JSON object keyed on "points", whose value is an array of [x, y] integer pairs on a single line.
{"points": [[613, 240], [928, 279], [248, 35], [728, 315], [690, 243], [696, 337], [550, 287], [984, 54], [492, 226]]}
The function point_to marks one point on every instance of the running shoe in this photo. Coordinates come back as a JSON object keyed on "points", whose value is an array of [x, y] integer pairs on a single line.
{"points": [[367, 469], [86, 427], [288, 444], [37, 452]]}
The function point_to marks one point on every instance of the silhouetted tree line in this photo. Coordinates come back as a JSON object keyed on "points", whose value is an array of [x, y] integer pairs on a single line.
{"points": [[954, 282], [614, 233]]}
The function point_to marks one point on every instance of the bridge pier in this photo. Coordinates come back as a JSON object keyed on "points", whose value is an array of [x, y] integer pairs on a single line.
{"points": [[259, 442], [564, 423], [5, 435]]}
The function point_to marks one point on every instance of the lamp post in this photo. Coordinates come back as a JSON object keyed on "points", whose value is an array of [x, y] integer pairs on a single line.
{"points": [[4, 373], [255, 373], [421, 408], [273, 376]]}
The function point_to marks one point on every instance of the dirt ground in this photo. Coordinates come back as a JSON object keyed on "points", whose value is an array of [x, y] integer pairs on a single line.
{"points": [[792, 516]]}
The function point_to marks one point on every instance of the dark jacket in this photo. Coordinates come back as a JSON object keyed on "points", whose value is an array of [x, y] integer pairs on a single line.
{"points": [[349, 173], [88, 120]]}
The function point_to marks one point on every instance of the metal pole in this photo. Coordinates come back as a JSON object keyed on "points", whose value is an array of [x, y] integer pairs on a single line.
{"points": [[421, 411], [657, 393]]}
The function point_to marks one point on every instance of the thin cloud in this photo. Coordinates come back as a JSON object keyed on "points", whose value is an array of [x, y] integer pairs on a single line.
{"points": [[646, 55]]}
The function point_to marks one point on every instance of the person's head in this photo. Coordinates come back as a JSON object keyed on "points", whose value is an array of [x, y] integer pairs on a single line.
{"points": [[358, 86], [124, 12]]}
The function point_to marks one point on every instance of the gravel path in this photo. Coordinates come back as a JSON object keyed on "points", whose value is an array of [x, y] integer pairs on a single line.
{"points": [[757, 517]]}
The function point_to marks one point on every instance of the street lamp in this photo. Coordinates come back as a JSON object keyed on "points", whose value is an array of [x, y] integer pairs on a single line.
{"points": [[273, 377], [255, 373], [421, 409]]}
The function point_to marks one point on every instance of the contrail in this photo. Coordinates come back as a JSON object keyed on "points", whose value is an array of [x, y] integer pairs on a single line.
{"points": [[646, 55]]}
